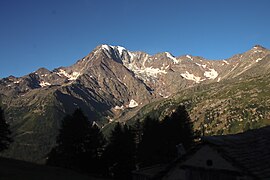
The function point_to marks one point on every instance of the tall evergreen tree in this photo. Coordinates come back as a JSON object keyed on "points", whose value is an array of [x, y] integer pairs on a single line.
{"points": [[5, 133], [120, 152], [150, 145], [79, 144], [159, 139], [94, 151], [137, 132], [176, 129]]}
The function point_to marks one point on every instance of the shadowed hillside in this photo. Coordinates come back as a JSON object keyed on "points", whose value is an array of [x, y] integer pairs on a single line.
{"points": [[20, 170]]}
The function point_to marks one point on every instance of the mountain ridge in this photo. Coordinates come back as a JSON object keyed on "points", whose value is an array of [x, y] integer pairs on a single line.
{"points": [[111, 84]]}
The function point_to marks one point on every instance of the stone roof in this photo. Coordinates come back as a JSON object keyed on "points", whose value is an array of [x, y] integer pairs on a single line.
{"points": [[249, 151]]}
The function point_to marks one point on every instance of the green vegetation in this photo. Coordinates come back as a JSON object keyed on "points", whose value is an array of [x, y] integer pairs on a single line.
{"points": [[34, 128], [227, 107]]}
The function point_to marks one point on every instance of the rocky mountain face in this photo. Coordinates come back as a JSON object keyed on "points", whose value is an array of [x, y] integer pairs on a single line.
{"points": [[114, 84]]}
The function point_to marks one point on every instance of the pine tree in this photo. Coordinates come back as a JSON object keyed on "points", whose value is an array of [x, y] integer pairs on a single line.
{"points": [[5, 132], [94, 151], [150, 145], [137, 132], [176, 129], [79, 144], [159, 139], [120, 152]]}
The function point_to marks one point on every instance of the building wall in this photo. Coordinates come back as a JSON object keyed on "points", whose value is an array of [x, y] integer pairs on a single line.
{"points": [[205, 164], [208, 158]]}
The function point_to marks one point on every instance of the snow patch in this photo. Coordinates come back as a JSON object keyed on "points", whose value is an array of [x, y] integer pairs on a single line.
{"points": [[119, 108], [16, 82], [105, 46], [226, 62], [131, 55], [191, 77], [132, 103], [188, 56], [234, 66], [201, 65], [70, 77], [175, 61], [144, 71], [62, 73], [259, 59], [218, 79], [212, 74], [165, 97], [43, 84], [120, 49], [74, 76], [150, 71]]}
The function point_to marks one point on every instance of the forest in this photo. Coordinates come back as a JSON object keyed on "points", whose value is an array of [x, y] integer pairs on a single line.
{"points": [[81, 146]]}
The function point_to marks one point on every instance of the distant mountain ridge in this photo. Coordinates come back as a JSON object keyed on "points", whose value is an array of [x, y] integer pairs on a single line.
{"points": [[110, 83]]}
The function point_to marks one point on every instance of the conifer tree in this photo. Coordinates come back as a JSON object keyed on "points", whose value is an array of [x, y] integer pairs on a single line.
{"points": [[79, 144], [94, 151], [159, 139], [5, 132], [150, 145], [176, 129], [137, 132], [120, 152]]}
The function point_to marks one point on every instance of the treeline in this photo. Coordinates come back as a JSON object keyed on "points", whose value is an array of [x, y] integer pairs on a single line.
{"points": [[82, 146]]}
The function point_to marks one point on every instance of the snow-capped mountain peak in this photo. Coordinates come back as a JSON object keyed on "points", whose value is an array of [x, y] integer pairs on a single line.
{"points": [[109, 48]]}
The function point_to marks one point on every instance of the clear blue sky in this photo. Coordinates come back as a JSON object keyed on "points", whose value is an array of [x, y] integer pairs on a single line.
{"points": [[53, 33]]}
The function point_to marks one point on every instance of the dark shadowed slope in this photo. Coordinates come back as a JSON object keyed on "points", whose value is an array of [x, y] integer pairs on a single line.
{"points": [[19, 170]]}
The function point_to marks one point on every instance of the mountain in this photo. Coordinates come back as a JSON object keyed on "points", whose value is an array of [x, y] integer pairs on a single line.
{"points": [[114, 84]]}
